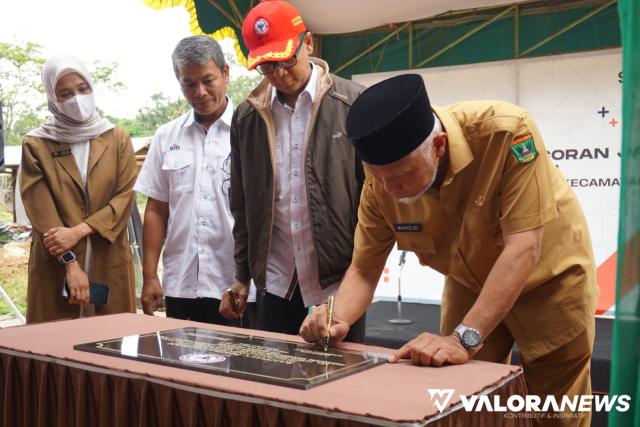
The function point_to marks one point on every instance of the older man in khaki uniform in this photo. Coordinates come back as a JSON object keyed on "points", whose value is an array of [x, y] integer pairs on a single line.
{"points": [[469, 188]]}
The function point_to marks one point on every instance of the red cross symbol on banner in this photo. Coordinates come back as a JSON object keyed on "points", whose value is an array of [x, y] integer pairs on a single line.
{"points": [[613, 122]]}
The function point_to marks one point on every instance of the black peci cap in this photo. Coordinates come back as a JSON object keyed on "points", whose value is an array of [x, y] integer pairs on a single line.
{"points": [[390, 119]]}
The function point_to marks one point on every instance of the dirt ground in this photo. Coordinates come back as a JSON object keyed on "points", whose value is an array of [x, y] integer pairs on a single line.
{"points": [[14, 254], [14, 259]]}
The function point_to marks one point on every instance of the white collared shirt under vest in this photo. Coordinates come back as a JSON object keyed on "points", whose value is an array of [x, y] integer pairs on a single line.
{"points": [[188, 168], [292, 240]]}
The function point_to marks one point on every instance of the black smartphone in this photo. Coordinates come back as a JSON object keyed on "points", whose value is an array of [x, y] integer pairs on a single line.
{"points": [[98, 293]]}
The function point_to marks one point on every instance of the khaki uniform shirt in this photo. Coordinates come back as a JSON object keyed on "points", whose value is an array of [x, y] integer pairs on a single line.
{"points": [[54, 195], [499, 181]]}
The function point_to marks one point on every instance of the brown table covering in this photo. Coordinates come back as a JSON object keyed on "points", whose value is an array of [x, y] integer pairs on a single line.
{"points": [[44, 381]]}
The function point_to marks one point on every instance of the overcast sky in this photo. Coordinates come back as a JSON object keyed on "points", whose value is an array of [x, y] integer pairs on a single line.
{"points": [[139, 38]]}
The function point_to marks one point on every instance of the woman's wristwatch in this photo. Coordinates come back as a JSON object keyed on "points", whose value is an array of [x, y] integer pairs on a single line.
{"points": [[67, 258]]}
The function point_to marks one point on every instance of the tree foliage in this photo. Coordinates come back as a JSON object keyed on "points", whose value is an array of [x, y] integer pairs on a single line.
{"points": [[104, 75], [21, 91], [239, 88], [27, 121], [241, 82], [25, 106], [20, 84], [162, 110], [148, 119]]}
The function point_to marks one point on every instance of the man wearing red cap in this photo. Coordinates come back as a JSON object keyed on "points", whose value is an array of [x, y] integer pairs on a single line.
{"points": [[295, 178]]}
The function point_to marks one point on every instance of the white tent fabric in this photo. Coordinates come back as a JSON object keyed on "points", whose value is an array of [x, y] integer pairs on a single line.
{"points": [[345, 16]]}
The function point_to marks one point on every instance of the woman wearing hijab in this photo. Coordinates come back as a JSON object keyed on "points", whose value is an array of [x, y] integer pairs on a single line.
{"points": [[77, 175]]}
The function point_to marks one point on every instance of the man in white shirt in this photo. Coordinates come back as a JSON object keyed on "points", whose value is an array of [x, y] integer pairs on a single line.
{"points": [[186, 177], [295, 177]]}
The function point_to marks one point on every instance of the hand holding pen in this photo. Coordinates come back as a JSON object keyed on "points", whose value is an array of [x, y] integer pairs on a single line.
{"points": [[322, 330], [235, 307], [234, 301], [329, 321]]}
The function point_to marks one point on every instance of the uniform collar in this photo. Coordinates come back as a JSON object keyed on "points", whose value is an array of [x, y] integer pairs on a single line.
{"points": [[460, 154], [224, 118], [310, 88]]}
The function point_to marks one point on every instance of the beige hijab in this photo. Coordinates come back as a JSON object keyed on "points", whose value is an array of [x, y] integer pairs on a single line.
{"points": [[60, 127]]}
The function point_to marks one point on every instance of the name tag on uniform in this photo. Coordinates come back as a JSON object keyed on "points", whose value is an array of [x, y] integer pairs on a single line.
{"points": [[62, 153], [408, 227]]}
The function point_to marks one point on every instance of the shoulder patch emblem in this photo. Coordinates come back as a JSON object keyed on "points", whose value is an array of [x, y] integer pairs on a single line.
{"points": [[524, 148]]}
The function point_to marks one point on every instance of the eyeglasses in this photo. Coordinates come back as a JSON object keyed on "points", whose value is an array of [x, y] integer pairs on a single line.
{"points": [[269, 67]]}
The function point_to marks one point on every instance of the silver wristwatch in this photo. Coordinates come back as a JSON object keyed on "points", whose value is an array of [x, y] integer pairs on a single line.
{"points": [[469, 337]]}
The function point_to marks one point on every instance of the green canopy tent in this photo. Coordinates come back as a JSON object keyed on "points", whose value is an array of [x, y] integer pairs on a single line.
{"points": [[356, 40]]}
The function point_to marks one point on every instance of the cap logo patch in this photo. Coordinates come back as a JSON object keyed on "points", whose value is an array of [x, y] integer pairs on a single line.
{"points": [[261, 26], [296, 21], [524, 148]]}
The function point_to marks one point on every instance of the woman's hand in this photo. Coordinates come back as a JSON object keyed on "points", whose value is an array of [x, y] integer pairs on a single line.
{"points": [[78, 284], [59, 240]]}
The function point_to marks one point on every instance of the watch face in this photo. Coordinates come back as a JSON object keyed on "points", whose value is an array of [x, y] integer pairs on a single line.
{"points": [[470, 338], [67, 257]]}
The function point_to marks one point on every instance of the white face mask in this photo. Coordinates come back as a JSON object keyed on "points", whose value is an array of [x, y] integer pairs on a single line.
{"points": [[79, 108]]}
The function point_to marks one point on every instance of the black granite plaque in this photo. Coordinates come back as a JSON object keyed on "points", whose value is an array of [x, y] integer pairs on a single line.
{"points": [[267, 360]]}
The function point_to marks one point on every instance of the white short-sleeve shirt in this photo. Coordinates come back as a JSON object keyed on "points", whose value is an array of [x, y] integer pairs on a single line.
{"points": [[188, 168]]}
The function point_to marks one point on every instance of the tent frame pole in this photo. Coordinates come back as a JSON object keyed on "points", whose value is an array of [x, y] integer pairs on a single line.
{"points": [[568, 27], [410, 53], [516, 31], [3, 295], [370, 48], [231, 19], [233, 5], [381, 57], [464, 37]]}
